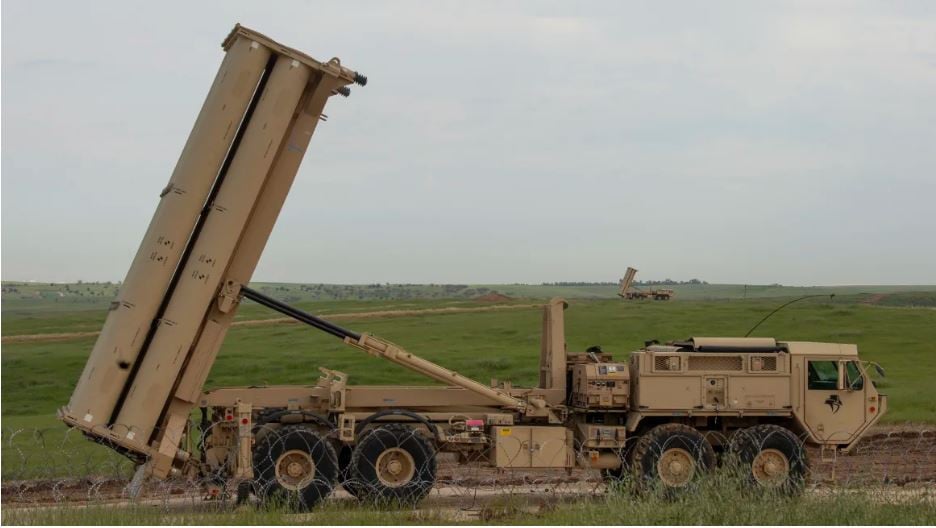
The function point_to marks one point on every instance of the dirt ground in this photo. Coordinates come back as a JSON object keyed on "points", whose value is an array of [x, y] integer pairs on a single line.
{"points": [[29, 338], [888, 455], [493, 297], [896, 458]]}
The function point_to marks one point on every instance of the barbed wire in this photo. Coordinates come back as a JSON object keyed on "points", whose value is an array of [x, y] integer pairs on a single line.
{"points": [[299, 467]]}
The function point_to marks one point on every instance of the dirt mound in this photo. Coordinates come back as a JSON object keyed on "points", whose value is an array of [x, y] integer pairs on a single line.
{"points": [[874, 299], [493, 297]]}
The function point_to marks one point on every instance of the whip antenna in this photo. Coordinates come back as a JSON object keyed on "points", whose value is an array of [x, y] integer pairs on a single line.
{"points": [[782, 306]]}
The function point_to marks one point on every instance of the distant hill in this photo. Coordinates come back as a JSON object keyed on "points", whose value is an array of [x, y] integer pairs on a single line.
{"points": [[686, 291], [95, 295]]}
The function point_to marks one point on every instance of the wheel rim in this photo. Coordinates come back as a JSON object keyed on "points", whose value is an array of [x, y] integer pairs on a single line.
{"points": [[395, 467], [676, 467], [295, 469], [770, 468]]}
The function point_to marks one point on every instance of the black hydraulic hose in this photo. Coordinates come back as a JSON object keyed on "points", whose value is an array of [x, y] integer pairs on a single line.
{"points": [[299, 315]]}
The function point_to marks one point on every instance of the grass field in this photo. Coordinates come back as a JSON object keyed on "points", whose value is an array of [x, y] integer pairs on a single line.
{"points": [[38, 377], [896, 327], [34, 297], [716, 504]]}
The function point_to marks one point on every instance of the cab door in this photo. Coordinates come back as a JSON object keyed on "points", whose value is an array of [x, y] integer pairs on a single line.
{"points": [[834, 398]]}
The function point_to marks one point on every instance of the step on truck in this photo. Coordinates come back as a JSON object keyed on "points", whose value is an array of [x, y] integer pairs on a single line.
{"points": [[660, 416]]}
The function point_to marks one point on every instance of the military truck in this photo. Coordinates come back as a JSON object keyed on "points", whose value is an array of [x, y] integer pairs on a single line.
{"points": [[627, 290], [659, 415]]}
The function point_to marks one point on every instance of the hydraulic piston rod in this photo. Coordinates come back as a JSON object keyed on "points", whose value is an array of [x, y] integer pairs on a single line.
{"points": [[299, 315]]}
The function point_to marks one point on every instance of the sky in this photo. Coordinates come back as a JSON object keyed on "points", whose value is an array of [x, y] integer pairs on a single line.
{"points": [[734, 142]]}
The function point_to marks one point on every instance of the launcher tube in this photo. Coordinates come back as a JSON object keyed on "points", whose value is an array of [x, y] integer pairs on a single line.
{"points": [[211, 253], [144, 288]]}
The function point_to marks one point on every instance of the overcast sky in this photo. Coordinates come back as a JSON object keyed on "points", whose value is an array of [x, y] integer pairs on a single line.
{"points": [[753, 142]]}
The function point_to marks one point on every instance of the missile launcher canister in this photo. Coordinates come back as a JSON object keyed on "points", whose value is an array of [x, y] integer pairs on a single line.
{"points": [[208, 231]]}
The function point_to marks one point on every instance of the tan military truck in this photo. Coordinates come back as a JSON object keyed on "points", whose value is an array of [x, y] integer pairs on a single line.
{"points": [[627, 290], [661, 415]]}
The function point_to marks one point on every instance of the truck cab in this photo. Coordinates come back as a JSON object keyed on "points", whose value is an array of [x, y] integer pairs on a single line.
{"points": [[823, 390], [835, 399]]}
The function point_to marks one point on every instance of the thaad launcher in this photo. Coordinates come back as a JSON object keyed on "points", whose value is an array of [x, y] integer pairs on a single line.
{"points": [[174, 307], [659, 416]]}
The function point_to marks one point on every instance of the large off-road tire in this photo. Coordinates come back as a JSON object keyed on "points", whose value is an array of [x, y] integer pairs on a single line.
{"points": [[393, 464], [671, 456], [294, 467], [771, 457]]}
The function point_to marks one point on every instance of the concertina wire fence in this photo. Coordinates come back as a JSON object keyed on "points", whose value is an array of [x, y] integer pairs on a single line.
{"points": [[398, 463]]}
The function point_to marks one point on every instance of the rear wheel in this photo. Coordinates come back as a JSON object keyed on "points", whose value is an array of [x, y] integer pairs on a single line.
{"points": [[295, 468], [772, 457], [393, 463], [671, 456]]}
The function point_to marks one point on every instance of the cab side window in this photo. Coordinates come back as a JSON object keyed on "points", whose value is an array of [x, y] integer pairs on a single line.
{"points": [[853, 378], [823, 375]]}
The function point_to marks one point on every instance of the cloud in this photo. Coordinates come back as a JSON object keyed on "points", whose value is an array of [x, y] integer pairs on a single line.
{"points": [[496, 142]]}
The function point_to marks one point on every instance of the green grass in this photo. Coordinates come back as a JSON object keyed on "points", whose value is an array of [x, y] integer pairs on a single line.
{"points": [[916, 299], [722, 503], [40, 319], [23, 298], [38, 377], [40, 447], [35, 308], [100, 515], [717, 502]]}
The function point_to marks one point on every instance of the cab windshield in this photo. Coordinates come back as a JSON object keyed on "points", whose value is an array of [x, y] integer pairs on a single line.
{"points": [[853, 378], [823, 375]]}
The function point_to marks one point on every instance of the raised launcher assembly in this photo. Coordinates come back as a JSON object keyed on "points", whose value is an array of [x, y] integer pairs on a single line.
{"points": [[209, 229], [659, 414]]}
